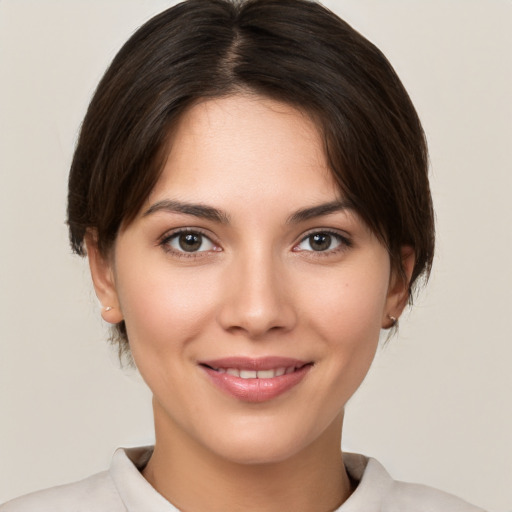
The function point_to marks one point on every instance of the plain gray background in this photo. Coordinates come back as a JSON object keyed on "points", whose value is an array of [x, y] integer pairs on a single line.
{"points": [[436, 407]]}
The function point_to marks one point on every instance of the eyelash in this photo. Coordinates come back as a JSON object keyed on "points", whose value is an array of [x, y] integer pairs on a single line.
{"points": [[344, 243], [168, 237]]}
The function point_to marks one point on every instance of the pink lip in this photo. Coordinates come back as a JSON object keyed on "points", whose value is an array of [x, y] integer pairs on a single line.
{"points": [[255, 390]]}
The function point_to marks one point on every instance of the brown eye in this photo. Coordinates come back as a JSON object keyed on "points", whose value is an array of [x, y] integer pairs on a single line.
{"points": [[190, 241], [321, 241]]}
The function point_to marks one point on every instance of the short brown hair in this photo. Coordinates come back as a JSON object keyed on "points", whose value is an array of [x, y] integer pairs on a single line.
{"points": [[295, 51]]}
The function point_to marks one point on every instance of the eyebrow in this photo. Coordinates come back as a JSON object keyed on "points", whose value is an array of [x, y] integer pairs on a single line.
{"points": [[197, 210], [319, 210], [210, 213]]}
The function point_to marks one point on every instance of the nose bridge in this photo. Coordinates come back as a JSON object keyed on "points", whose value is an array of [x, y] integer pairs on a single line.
{"points": [[257, 301]]}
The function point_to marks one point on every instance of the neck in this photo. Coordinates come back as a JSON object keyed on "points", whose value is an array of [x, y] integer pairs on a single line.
{"points": [[195, 479]]}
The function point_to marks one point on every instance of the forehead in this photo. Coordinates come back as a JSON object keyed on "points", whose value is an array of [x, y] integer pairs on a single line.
{"points": [[246, 146]]}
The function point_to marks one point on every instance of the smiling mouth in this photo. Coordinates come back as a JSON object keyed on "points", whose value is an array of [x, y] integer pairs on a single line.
{"points": [[258, 374], [256, 380]]}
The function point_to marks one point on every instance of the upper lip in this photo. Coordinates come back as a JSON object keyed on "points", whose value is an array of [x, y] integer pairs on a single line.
{"points": [[254, 363]]}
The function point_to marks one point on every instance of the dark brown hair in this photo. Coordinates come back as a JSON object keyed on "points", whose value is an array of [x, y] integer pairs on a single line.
{"points": [[295, 51]]}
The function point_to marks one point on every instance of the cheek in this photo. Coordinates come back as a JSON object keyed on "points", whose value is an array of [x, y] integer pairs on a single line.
{"points": [[349, 304], [347, 317], [162, 307]]}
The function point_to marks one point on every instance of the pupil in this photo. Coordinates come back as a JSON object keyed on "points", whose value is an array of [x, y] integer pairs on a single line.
{"points": [[190, 242], [320, 241]]}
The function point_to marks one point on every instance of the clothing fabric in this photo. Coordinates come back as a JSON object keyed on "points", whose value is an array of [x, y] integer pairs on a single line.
{"points": [[124, 489]]}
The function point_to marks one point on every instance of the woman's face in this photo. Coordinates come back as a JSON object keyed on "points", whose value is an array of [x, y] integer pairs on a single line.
{"points": [[244, 264]]}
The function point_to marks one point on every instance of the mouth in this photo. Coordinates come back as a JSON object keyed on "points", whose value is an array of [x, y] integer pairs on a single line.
{"points": [[256, 380], [257, 374]]}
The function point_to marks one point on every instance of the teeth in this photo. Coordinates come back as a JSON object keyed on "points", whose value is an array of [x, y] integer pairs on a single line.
{"points": [[260, 374], [248, 374], [266, 374]]}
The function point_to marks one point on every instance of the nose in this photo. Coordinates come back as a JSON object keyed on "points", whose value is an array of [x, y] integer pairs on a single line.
{"points": [[257, 297]]}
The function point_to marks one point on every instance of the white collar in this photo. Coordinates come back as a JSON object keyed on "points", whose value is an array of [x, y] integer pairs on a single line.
{"points": [[137, 494], [135, 491]]}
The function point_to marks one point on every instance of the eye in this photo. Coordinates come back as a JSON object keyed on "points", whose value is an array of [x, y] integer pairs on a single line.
{"points": [[322, 241], [189, 242]]}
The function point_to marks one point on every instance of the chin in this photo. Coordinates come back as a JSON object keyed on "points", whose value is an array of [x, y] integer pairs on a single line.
{"points": [[271, 441], [258, 451]]}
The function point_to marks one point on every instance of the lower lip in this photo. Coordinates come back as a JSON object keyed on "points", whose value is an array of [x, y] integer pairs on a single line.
{"points": [[256, 390]]}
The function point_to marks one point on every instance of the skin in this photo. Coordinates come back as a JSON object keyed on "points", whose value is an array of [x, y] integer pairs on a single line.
{"points": [[258, 286]]}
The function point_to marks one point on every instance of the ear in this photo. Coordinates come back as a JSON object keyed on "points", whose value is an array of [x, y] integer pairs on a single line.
{"points": [[102, 273], [398, 291]]}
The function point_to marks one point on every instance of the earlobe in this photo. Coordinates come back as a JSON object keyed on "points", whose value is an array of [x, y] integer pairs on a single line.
{"points": [[102, 274], [398, 292]]}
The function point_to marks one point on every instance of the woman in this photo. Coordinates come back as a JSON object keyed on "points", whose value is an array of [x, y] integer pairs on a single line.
{"points": [[250, 187]]}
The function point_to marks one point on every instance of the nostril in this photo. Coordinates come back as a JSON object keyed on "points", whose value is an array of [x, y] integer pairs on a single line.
{"points": [[256, 312]]}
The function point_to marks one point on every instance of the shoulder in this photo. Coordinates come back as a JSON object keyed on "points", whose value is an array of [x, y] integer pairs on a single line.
{"points": [[96, 493], [406, 496], [119, 489], [376, 490]]}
